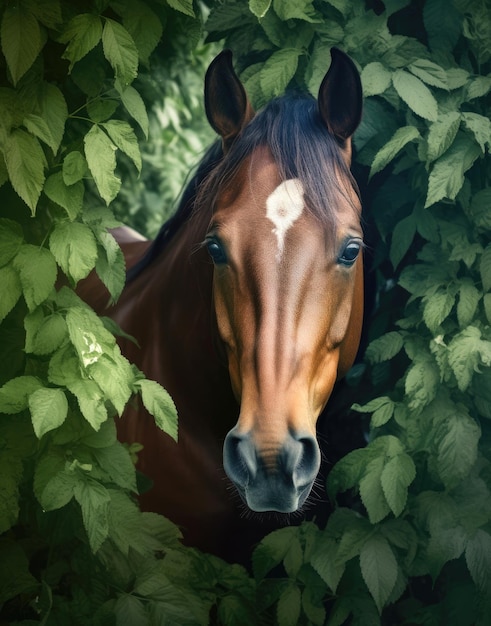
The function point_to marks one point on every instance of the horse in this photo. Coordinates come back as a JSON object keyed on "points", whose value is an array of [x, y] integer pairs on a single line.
{"points": [[247, 308]]}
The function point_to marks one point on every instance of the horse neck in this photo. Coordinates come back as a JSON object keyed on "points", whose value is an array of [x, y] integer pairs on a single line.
{"points": [[168, 308]]}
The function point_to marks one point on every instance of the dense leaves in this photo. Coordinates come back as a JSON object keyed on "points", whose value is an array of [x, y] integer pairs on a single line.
{"points": [[82, 89]]}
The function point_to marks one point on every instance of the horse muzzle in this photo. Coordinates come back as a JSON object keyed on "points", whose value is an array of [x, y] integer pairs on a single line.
{"points": [[278, 479]]}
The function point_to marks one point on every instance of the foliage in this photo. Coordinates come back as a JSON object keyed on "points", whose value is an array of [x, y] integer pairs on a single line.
{"points": [[74, 546], [419, 539], [415, 547]]}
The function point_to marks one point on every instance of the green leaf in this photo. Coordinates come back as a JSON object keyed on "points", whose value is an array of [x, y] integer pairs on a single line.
{"points": [[481, 391], [116, 462], [91, 401], [114, 376], [37, 271], [382, 409], [485, 268], [49, 125], [480, 127], [272, 550], [133, 103], [371, 491], [184, 6], [158, 403], [120, 50], [123, 136], [74, 247], [235, 610], [351, 532], [44, 335], [348, 471], [10, 290], [385, 348], [22, 40], [422, 382], [69, 197], [387, 153], [144, 26], [437, 307], [88, 335], [457, 77], [14, 395], [487, 306], [101, 158], [143, 532], [53, 110], [227, 16], [48, 12], [325, 563], [478, 559], [398, 473], [469, 297], [110, 265], [465, 352], [49, 408], [83, 33], [74, 168], [457, 442], [278, 71], [129, 610], [443, 23], [442, 134], [430, 73], [289, 606], [382, 414], [64, 366], [38, 127], [415, 94], [259, 7], [402, 238], [445, 545], [25, 163], [295, 9], [480, 203], [94, 501], [479, 87], [375, 79], [101, 109], [11, 239], [379, 569], [447, 176]]}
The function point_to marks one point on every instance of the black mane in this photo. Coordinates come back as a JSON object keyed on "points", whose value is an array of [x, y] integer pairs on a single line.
{"points": [[302, 147]]}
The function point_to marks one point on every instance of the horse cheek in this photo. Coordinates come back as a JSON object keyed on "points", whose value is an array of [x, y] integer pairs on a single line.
{"points": [[351, 341]]}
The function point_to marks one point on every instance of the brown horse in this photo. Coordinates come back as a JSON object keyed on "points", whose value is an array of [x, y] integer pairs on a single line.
{"points": [[247, 308]]}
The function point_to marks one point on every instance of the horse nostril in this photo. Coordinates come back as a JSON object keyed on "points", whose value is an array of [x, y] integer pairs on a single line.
{"points": [[307, 461], [239, 458]]}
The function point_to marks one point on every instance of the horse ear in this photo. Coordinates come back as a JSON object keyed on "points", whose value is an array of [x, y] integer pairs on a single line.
{"points": [[340, 97], [226, 103]]}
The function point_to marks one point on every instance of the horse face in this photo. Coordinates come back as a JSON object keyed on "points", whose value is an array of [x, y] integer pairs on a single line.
{"points": [[283, 296], [287, 296]]}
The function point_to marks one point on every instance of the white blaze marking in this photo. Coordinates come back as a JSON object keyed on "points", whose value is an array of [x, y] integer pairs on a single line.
{"points": [[283, 207]]}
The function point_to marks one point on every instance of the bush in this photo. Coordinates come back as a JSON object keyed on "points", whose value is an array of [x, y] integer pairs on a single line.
{"points": [[415, 547]]}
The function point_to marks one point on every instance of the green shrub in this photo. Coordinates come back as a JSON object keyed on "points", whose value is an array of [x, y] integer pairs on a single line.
{"points": [[417, 547]]}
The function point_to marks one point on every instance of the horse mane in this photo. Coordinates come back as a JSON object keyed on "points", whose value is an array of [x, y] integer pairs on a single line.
{"points": [[302, 147], [184, 210]]}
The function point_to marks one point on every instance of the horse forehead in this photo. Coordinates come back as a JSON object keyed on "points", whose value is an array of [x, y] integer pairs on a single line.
{"points": [[284, 206]]}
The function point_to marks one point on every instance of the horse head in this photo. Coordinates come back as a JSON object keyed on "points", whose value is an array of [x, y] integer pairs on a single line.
{"points": [[285, 241]]}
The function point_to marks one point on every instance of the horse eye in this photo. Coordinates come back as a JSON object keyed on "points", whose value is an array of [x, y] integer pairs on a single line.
{"points": [[350, 252], [216, 251]]}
